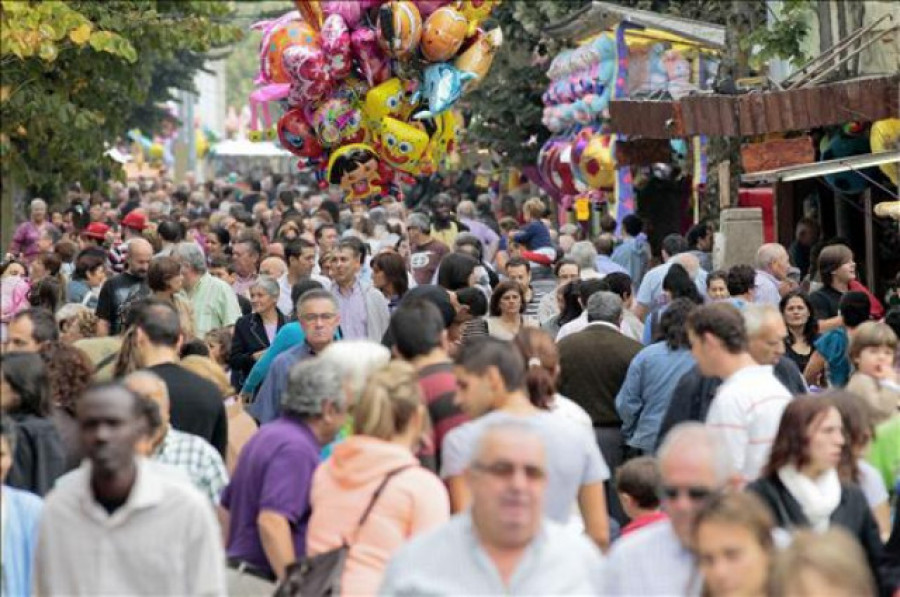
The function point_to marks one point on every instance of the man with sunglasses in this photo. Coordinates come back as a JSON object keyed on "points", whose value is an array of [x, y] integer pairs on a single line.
{"points": [[317, 312], [657, 559], [502, 544]]}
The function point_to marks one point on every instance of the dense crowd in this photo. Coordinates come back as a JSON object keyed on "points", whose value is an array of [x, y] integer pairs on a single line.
{"points": [[218, 389]]}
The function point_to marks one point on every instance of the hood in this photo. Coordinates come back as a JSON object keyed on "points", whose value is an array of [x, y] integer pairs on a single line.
{"points": [[360, 459]]}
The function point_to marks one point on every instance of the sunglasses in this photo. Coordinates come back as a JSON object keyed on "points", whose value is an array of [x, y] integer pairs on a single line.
{"points": [[695, 494], [505, 470]]}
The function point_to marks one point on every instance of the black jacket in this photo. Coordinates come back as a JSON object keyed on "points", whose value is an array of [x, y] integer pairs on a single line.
{"points": [[249, 337], [694, 393], [40, 457], [852, 514]]}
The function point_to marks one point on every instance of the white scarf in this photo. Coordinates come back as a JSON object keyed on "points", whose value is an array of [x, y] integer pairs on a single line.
{"points": [[817, 497]]}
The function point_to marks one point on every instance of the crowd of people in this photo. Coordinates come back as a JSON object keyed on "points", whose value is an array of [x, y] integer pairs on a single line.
{"points": [[214, 389]]}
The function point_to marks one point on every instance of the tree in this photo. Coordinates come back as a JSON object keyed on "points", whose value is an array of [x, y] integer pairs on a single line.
{"points": [[79, 74]]}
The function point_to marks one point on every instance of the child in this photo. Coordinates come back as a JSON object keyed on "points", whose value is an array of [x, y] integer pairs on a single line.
{"points": [[872, 353], [636, 483], [535, 236]]}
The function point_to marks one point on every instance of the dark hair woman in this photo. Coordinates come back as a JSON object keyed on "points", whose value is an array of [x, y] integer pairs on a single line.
{"points": [[390, 277], [88, 278], [801, 483], [803, 329], [25, 397], [507, 311]]}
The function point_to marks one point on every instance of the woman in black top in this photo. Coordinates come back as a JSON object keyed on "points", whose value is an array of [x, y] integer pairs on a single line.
{"points": [[801, 484], [803, 328], [254, 332]]}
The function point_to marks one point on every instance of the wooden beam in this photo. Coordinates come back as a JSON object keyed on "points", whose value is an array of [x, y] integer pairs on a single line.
{"points": [[778, 153]]}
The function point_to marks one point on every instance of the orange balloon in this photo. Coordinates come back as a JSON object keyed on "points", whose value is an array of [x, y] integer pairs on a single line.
{"points": [[294, 33], [443, 34], [399, 27]]}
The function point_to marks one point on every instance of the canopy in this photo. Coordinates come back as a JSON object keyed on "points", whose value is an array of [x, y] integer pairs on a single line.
{"points": [[243, 147]]}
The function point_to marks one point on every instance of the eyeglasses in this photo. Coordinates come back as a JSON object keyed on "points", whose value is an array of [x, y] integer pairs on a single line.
{"points": [[505, 470], [313, 317], [696, 494]]}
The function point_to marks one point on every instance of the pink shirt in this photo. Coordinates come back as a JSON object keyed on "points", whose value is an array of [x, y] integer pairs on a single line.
{"points": [[413, 501]]}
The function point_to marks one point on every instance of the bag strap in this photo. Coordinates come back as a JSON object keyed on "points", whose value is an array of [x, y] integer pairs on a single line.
{"points": [[375, 496]]}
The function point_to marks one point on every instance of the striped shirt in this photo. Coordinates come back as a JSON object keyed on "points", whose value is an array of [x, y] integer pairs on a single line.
{"points": [[747, 411], [438, 384]]}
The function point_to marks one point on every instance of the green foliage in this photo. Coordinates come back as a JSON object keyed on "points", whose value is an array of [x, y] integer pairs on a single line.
{"points": [[111, 64], [783, 37]]}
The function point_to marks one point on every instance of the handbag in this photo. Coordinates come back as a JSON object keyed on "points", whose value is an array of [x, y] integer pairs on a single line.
{"points": [[320, 575]]}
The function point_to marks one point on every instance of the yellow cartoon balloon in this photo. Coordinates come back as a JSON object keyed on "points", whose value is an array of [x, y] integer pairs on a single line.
{"points": [[476, 11], [402, 145], [395, 98], [885, 136]]}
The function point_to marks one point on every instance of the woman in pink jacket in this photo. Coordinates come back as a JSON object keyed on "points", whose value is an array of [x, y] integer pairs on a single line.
{"points": [[388, 423]]}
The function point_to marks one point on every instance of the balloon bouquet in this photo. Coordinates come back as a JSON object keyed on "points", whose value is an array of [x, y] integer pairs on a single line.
{"points": [[368, 85]]}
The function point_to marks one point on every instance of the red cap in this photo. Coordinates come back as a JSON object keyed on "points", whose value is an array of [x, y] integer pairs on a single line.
{"points": [[135, 220], [96, 230]]}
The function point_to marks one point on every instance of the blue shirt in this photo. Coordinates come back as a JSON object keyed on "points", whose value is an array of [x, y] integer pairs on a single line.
{"points": [[267, 405], [605, 265], [634, 256], [21, 518], [534, 236], [645, 395], [651, 287], [833, 345]]}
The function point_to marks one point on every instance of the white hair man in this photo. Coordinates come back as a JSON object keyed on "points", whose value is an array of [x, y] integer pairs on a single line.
{"points": [[214, 303], [503, 544], [772, 265], [659, 560]]}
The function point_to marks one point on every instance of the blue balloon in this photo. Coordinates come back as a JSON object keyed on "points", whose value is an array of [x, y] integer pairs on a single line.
{"points": [[443, 87]]}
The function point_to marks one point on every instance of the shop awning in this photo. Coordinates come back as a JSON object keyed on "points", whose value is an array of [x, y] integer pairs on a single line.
{"points": [[603, 16], [792, 173]]}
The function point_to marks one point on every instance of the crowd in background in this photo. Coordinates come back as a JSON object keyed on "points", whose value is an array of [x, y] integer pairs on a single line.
{"points": [[211, 385]]}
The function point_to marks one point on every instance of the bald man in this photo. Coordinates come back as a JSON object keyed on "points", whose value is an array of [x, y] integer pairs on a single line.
{"points": [[189, 453], [120, 292], [274, 267]]}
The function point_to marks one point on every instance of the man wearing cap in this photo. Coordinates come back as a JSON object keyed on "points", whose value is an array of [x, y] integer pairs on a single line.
{"points": [[132, 226], [426, 252], [93, 236]]}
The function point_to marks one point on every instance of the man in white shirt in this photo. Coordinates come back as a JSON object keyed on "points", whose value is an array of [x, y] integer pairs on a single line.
{"points": [[502, 544], [772, 265], [658, 559], [748, 405], [121, 525]]}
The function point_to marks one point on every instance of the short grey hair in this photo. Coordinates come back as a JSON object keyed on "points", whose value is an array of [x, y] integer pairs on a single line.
{"points": [[316, 294], [584, 254], [311, 384], [356, 360], [605, 306], [190, 255], [767, 254], [757, 315], [419, 220], [38, 203], [520, 429], [269, 285], [690, 435], [465, 209]]}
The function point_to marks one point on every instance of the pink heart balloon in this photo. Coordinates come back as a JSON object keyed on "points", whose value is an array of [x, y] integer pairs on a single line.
{"points": [[336, 50], [374, 64]]}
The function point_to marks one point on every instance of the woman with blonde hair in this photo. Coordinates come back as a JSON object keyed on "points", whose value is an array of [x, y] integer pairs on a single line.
{"points": [[830, 563], [241, 426], [376, 467]]}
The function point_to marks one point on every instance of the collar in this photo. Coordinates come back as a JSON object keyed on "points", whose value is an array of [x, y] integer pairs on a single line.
{"points": [[145, 493], [605, 324]]}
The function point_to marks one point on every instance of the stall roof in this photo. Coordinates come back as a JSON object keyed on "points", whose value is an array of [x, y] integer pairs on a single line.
{"points": [[244, 147], [602, 16], [823, 168]]}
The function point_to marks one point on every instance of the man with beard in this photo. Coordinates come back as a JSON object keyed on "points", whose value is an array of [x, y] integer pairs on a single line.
{"points": [[120, 292]]}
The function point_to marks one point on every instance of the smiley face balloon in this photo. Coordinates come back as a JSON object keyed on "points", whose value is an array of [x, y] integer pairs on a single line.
{"points": [[395, 98], [443, 34], [402, 145], [337, 121], [355, 168]]}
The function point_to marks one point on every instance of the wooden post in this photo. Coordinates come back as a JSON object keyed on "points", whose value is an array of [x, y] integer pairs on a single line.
{"points": [[870, 239], [724, 184]]}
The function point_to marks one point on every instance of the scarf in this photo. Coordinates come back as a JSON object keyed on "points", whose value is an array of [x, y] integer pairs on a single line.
{"points": [[818, 498]]}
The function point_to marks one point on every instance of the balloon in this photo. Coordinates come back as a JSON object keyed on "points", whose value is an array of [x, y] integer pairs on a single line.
{"points": [[401, 145], [394, 98], [310, 11], [443, 87], [310, 81], [597, 163], [443, 138], [374, 64], [355, 168], [443, 34], [426, 7], [291, 34], [883, 136], [475, 11], [477, 58], [399, 27], [337, 122], [336, 47], [260, 99], [297, 136], [352, 11]]}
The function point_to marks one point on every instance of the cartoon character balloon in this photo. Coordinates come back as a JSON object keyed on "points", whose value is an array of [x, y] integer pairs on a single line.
{"points": [[399, 27], [443, 34], [338, 121], [355, 168], [443, 87], [297, 136], [394, 97], [477, 58], [475, 11], [402, 145]]}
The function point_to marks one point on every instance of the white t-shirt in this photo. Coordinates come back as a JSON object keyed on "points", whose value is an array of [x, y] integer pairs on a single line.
{"points": [[573, 457], [747, 411]]}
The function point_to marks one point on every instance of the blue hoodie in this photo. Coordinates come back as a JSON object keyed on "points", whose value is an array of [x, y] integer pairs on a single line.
{"points": [[634, 255]]}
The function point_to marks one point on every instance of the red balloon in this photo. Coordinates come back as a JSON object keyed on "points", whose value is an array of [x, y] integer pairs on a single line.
{"points": [[297, 136]]}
